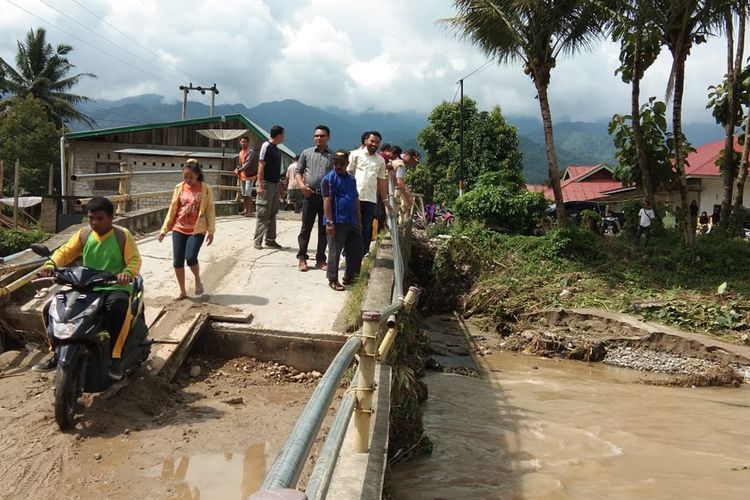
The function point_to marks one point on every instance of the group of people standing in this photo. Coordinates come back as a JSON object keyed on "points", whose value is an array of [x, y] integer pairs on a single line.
{"points": [[340, 192]]}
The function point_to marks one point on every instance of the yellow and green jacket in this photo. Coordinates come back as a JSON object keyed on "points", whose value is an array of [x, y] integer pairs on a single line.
{"points": [[101, 252]]}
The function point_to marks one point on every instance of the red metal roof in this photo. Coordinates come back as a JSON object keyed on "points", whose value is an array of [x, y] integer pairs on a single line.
{"points": [[574, 171], [702, 162], [581, 185]]}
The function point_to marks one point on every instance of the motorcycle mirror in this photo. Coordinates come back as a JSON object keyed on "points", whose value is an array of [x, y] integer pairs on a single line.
{"points": [[40, 250]]}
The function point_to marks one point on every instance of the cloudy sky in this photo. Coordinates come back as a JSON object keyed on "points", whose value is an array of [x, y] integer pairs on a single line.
{"points": [[387, 55]]}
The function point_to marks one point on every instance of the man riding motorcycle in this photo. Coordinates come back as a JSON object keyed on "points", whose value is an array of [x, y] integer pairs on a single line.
{"points": [[104, 247]]}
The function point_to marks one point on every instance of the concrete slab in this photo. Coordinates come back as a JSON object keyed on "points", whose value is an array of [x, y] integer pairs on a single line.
{"points": [[264, 283]]}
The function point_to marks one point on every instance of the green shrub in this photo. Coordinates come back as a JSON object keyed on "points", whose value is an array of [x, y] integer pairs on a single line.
{"points": [[15, 240], [502, 209]]}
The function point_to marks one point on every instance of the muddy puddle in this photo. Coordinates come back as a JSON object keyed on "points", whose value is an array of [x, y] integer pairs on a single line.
{"points": [[556, 429], [219, 475]]}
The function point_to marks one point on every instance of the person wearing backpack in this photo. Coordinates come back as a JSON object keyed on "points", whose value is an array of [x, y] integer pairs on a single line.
{"points": [[192, 219], [104, 247]]}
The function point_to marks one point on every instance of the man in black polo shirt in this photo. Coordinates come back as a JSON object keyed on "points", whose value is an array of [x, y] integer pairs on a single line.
{"points": [[267, 201], [314, 163]]}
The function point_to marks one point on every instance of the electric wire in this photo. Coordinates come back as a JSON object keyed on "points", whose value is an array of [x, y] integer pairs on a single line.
{"points": [[104, 38], [109, 54], [486, 63]]}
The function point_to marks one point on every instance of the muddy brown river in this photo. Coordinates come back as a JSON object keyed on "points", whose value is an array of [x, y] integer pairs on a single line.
{"points": [[555, 429]]}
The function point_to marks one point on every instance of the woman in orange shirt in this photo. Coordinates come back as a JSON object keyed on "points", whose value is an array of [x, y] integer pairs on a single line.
{"points": [[192, 219]]}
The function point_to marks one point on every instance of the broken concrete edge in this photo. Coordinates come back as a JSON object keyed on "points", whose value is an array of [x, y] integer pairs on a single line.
{"points": [[481, 364], [303, 351]]}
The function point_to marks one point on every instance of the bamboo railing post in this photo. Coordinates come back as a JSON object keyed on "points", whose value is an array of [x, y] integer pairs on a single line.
{"points": [[366, 381], [51, 180], [16, 183], [2, 177], [123, 188]]}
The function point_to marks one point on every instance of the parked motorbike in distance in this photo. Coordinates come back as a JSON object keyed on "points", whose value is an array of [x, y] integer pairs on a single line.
{"points": [[610, 225], [75, 326]]}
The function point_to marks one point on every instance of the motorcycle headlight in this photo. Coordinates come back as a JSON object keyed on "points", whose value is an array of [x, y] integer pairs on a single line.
{"points": [[65, 330]]}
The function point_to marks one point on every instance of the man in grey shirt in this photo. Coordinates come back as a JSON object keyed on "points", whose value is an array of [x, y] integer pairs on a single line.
{"points": [[314, 163]]}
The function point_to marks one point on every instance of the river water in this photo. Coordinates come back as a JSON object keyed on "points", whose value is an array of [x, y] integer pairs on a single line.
{"points": [[555, 429]]}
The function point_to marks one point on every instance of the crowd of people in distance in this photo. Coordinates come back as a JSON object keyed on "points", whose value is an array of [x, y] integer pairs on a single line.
{"points": [[342, 194]]}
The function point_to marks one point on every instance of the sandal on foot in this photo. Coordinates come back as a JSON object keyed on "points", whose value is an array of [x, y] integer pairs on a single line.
{"points": [[335, 285], [347, 281]]}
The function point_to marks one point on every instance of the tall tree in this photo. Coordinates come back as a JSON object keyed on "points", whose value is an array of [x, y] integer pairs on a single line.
{"points": [[656, 147], [42, 71], [681, 24], [491, 145], [534, 32], [639, 47], [28, 135], [733, 111]]}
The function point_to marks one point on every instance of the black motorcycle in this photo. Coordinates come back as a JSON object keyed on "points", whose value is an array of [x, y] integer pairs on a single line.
{"points": [[610, 225], [76, 327]]}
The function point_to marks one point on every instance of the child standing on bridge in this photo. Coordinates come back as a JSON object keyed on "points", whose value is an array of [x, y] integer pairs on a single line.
{"points": [[191, 218]]}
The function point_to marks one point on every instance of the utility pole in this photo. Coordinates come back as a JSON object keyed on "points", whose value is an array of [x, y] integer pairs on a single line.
{"points": [[16, 182], [461, 142], [187, 88]]}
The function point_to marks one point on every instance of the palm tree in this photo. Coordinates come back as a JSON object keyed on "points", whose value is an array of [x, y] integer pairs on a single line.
{"points": [[734, 107], [41, 71], [682, 23], [534, 32], [639, 47]]}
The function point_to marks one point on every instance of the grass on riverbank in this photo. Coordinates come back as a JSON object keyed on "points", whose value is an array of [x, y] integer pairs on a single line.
{"points": [[506, 276], [353, 306]]}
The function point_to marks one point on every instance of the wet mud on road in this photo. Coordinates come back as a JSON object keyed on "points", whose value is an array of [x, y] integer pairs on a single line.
{"points": [[207, 436]]}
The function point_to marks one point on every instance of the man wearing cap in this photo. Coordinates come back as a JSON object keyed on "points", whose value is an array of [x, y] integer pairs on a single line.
{"points": [[343, 221], [314, 163]]}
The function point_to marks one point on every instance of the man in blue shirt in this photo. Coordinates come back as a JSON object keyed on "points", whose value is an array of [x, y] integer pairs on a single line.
{"points": [[343, 221]]}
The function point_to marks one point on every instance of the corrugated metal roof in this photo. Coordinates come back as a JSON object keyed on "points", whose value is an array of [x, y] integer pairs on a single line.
{"points": [[259, 131], [702, 161], [171, 152]]}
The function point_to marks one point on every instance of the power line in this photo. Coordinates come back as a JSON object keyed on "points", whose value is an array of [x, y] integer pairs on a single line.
{"points": [[104, 38], [458, 87], [89, 44], [192, 78], [486, 63], [128, 37]]}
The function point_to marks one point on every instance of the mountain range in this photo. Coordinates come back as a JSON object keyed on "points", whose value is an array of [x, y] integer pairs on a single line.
{"points": [[576, 143]]}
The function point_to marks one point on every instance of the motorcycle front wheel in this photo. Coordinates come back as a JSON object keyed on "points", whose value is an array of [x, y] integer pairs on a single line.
{"points": [[67, 380]]}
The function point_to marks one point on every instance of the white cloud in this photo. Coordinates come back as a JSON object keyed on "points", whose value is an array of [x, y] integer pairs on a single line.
{"points": [[386, 55]]}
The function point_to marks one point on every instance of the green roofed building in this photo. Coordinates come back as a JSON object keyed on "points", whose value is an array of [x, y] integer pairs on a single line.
{"points": [[159, 147]]}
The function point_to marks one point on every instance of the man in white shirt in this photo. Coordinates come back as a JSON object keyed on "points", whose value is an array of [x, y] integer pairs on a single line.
{"points": [[645, 218], [368, 169]]}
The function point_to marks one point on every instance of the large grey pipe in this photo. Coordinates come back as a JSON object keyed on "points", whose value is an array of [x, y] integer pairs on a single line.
{"points": [[320, 479], [290, 461]]}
